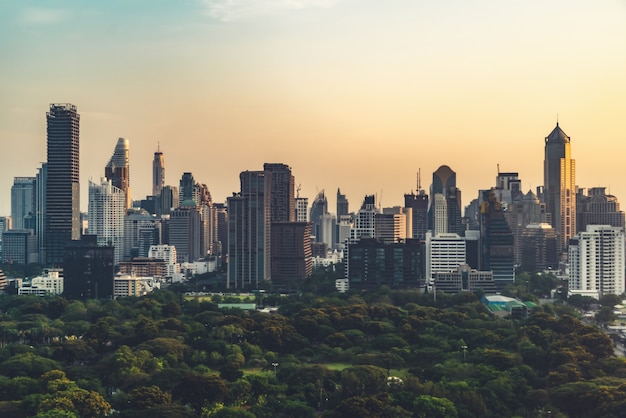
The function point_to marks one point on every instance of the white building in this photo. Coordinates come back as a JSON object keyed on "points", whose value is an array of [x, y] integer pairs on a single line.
{"points": [[302, 209], [106, 215], [48, 284], [596, 261], [444, 253], [128, 285], [166, 253], [440, 222]]}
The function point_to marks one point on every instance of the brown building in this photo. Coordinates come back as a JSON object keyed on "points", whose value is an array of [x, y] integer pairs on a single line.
{"points": [[144, 267], [291, 252]]}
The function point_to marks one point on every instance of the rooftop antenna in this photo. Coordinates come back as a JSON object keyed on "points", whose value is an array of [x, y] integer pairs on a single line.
{"points": [[419, 180], [498, 165]]}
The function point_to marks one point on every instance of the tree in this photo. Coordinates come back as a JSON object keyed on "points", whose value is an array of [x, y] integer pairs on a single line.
{"points": [[146, 397], [426, 406], [199, 390]]}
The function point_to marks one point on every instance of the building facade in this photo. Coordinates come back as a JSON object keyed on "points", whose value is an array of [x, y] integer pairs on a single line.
{"points": [[596, 261], [105, 215], [23, 198], [559, 182], [63, 181], [118, 170]]}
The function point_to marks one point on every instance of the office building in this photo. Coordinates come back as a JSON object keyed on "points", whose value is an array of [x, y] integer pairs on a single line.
{"points": [[418, 203], [63, 181], [88, 269], [23, 198], [302, 209], [188, 190], [465, 279], [282, 192], [319, 207], [249, 223], [496, 240], [40, 211], [390, 225], [597, 208], [19, 246], [185, 232], [342, 205], [291, 254], [372, 263], [559, 192], [596, 261], [118, 170], [526, 210], [538, 248], [444, 183], [141, 231], [444, 254], [105, 215]]}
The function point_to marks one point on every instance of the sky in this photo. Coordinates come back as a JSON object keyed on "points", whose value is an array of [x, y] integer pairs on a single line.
{"points": [[352, 94]]}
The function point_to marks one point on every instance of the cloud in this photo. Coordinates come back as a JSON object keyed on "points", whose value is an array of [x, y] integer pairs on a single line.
{"points": [[36, 15], [229, 10]]}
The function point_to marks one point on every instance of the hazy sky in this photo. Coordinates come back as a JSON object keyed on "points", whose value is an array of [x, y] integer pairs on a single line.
{"points": [[356, 94]]}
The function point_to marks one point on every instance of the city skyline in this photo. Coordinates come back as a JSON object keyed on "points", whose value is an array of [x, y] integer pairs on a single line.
{"points": [[356, 96]]}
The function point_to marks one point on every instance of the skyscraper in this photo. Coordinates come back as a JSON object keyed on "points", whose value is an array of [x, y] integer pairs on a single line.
{"points": [[282, 196], [444, 183], [596, 261], [63, 181], [559, 182], [23, 196], [118, 170], [342, 204], [318, 208], [249, 240], [158, 173], [106, 216]]}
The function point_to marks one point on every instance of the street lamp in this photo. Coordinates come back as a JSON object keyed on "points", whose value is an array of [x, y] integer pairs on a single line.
{"points": [[275, 366], [464, 348]]}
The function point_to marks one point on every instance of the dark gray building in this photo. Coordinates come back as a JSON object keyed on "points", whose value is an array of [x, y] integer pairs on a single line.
{"points": [[63, 182]]}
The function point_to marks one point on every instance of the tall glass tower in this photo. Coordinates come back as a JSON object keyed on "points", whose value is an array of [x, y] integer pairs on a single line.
{"points": [[559, 182], [62, 183], [118, 170], [158, 173]]}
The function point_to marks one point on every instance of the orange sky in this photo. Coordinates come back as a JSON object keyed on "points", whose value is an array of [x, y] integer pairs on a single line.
{"points": [[351, 94]]}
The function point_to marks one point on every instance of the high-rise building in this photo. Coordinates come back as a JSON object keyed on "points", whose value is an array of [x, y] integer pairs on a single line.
{"points": [[342, 204], [597, 208], [526, 210], [141, 231], [40, 211], [249, 223], [63, 181], [188, 190], [23, 195], [118, 170], [282, 196], [496, 240], [444, 183], [318, 208], [105, 214], [158, 173], [559, 182], [390, 225], [444, 253], [185, 232], [596, 261], [418, 203], [302, 209], [291, 253], [538, 248]]}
